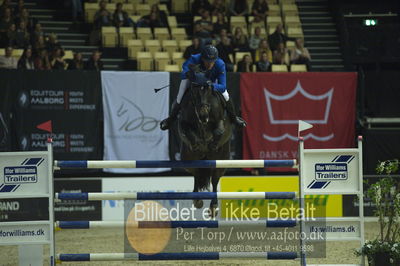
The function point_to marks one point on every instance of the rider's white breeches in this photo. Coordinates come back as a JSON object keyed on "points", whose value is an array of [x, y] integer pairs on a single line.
{"points": [[185, 84]]}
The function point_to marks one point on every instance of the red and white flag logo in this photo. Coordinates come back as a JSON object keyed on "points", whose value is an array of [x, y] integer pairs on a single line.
{"points": [[273, 104]]}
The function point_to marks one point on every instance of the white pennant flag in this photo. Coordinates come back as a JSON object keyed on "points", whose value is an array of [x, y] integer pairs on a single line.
{"points": [[303, 126]]}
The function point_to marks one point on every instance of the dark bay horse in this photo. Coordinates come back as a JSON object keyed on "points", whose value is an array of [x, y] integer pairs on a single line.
{"points": [[205, 131]]}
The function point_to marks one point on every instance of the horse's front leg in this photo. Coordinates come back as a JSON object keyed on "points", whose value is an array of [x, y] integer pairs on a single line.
{"points": [[214, 202], [190, 137], [198, 203], [217, 134]]}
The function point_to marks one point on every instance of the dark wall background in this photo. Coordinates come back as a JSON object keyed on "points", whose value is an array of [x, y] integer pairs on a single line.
{"points": [[381, 90]]}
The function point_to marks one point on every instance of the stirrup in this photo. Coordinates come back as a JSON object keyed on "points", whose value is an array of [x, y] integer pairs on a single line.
{"points": [[240, 122]]}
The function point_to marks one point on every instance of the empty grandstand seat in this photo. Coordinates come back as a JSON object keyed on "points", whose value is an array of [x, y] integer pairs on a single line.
{"points": [[68, 54], [109, 36], [17, 52], [172, 22], [172, 68], [274, 10], [290, 9], [144, 33], [179, 6], [290, 44], [292, 21], [295, 32], [161, 34], [298, 68], [144, 61], [142, 9], [196, 18], [161, 59], [125, 34], [273, 21], [134, 46], [128, 8], [169, 46], [163, 7], [183, 44], [152, 2], [135, 18], [279, 68], [177, 58], [178, 34], [90, 10], [152, 46]]}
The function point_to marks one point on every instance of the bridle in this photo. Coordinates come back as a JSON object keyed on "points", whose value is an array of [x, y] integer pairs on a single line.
{"points": [[195, 104]]}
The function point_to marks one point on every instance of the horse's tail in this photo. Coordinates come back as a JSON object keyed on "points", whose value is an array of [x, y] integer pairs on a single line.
{"points": [[203, 179]]}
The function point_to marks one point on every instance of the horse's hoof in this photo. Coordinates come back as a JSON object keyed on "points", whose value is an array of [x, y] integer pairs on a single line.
{"points": [[198, 204]]}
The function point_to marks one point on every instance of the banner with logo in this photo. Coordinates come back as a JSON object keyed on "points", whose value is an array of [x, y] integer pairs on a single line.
{"points": [[132, 112], [70, 100], [273, 104]]}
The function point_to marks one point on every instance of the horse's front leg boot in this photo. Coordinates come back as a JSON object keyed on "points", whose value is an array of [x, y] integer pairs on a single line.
{"points": [[220, 130]]}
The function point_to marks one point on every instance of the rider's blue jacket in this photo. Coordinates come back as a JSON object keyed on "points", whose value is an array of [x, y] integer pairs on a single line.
{"points": [[217, 73]]}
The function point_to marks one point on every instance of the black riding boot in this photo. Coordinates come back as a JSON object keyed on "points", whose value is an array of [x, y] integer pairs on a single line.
{"points": [[166, 123], [237, 120]]}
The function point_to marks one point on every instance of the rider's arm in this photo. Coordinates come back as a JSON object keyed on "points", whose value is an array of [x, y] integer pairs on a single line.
{"points": [[185, 67], [221, 79]]}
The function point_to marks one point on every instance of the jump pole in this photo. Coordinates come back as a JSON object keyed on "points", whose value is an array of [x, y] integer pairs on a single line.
{"points": [[177, 256], [176, 164], [174, 224], [174, 195]]}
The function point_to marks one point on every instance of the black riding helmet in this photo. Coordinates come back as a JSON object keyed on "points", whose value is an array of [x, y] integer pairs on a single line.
{"points": [[209, 53]]}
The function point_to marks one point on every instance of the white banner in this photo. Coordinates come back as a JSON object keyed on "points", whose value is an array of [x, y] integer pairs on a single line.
{"points": [[132, 113]]}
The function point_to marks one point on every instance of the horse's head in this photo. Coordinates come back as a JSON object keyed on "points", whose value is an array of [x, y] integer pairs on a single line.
{"points": [[201, 99]]}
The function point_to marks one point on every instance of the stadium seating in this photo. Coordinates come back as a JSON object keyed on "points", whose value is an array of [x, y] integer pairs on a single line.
{"points": [[172, 68], [298, 68], [144, 61], [279, 68], [134, 46], [109, 36], [125, 34], [161, 60], [170, 46]]}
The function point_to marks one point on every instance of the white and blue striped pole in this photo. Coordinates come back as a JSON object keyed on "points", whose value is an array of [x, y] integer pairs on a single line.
{"points": [[176, 164], [173, 195], [177, 256], [176, 224]]}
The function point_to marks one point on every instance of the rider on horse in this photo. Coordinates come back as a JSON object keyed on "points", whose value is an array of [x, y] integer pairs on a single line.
{"points": [[208, 60]]}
